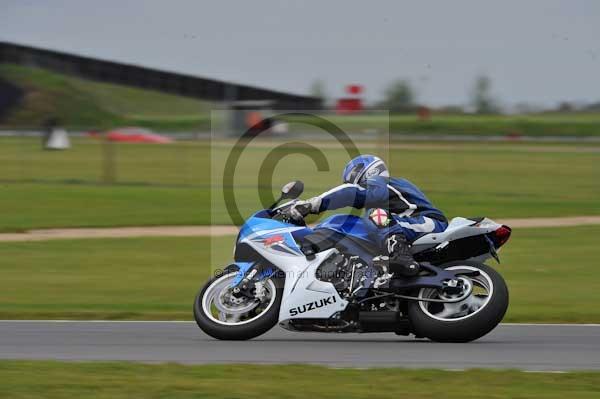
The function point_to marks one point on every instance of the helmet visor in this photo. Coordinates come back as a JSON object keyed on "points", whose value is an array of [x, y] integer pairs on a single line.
{"points": [[376, 169], [353, 174]]}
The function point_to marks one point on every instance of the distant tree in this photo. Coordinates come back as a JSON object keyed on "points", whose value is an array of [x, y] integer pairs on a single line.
{"points": [[481, 96], [565, 106], [318, 90], [399, 97]]}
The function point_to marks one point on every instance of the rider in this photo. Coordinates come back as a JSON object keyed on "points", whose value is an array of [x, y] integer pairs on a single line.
{"points": [[367, 184]]}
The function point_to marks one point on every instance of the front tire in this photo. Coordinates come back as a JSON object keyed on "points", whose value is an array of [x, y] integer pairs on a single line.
{"points": [[222, 326], [467, 320]]}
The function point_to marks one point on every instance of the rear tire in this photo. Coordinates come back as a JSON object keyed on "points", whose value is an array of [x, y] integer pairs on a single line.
{"points": [[249, 330], [469, 327]]}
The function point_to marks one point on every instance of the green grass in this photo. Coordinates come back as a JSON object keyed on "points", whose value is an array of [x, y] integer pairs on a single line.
{"points": [[174, 184], [141, 278], [28, 206], [179, 163], [84, 104], [552, 276], [35, 379], [551, 124]]}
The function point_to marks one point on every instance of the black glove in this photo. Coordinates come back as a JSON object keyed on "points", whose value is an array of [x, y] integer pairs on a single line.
{"points": [[301, 209]]}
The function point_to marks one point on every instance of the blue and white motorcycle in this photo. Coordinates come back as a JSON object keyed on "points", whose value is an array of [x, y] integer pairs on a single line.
{"points": [[323, 279]]}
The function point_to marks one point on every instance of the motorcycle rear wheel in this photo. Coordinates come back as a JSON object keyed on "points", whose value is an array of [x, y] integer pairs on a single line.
{"points": [[463, 321]]}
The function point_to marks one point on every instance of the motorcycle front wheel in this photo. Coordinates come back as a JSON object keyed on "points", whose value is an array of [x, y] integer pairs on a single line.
{"points": [[463, 321], [224, 316]]}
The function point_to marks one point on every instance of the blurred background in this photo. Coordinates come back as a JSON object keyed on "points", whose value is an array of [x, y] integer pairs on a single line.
{"points": [[120, 114], [123, 116]]}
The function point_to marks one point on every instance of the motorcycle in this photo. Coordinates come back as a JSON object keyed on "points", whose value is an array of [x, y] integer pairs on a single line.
{"points": [[324, 279]]}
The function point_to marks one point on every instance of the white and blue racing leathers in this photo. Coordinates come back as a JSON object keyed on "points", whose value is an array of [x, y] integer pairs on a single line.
{"points": [[412, 213]]}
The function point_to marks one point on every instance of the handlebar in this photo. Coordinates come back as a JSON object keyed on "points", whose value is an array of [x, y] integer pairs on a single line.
{"points": [[284, 213], [304, 209]]}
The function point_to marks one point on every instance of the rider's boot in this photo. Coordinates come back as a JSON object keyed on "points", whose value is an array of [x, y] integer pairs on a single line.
{"points": [[399, 261]]}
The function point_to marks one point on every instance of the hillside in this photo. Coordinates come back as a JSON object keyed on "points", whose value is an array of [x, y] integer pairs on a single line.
{"points": [[85, 104]]}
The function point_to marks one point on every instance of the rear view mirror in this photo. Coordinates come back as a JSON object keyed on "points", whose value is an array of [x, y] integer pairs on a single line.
{"points": [[292, 190]]}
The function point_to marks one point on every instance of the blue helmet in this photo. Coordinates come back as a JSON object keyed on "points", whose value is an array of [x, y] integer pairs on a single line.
{"points": [[358, 170]]}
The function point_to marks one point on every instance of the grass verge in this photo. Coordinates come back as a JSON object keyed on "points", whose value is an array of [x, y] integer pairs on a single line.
{"points": [[545, 124], [35, 379], [174, 184], [552, 276]]}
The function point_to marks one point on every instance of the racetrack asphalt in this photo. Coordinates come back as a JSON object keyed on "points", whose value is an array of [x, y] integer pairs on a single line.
{"points": [[521, 346]]}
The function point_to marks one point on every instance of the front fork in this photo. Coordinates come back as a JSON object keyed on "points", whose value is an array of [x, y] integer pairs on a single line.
{"points": [[248, 274]]}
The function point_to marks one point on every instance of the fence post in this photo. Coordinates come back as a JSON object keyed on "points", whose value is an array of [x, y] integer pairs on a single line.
{"points": [[109, 167]]}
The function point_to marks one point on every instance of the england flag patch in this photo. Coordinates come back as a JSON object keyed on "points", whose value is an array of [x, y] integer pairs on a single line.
{"points": [[379, 217]]}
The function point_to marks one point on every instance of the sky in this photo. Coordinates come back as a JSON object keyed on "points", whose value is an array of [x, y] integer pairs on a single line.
{"points": [[536, 51]]}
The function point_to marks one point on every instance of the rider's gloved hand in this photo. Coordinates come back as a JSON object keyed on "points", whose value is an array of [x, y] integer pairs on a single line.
{"points": [[302, 208]]}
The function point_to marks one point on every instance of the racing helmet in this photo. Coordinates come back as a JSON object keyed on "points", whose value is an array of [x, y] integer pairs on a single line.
{"points": [[358, 170]]}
